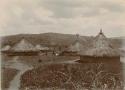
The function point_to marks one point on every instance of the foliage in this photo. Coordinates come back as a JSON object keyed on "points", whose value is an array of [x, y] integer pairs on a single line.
{"points": [[72, 77]]}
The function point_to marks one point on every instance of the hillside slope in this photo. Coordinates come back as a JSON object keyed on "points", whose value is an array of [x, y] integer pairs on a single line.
{"points": [[53, 39]]}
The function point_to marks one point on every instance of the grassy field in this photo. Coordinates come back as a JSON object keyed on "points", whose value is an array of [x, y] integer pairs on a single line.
{"points": [[71, 77], [7, 75]]}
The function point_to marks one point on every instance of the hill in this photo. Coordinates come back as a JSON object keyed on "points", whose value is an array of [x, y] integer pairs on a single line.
{"points": [[53, 39]]}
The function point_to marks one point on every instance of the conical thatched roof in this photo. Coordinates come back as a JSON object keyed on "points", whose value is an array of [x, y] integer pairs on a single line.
{"points": [[40, 47], [6, 48], [23, 45], [102, 47], [76, 46]]}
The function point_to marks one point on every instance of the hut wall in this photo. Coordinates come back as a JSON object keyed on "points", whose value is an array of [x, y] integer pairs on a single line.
{"points": [[112, 64], [90, 59], [22, 53], [69, 54]]}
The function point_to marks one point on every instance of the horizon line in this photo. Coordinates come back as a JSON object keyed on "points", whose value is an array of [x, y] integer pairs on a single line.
{"points": [[57, 33]]}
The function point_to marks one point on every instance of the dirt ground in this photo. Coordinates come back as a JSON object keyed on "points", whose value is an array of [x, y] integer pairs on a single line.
{"points": [[7, 75], [36, 61]]}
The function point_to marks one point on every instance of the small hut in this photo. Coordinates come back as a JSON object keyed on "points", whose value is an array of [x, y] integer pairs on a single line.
{"points": [[42, 49], [6, 49], [74, 48], [23, 47], [101, 51]]}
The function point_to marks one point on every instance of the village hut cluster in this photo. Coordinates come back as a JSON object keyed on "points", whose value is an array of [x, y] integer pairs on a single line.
{"points": [[101, 50], [24, 48], [74, 48]]}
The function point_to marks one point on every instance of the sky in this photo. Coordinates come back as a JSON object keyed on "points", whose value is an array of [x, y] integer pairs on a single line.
{"points": [[84, 17]]}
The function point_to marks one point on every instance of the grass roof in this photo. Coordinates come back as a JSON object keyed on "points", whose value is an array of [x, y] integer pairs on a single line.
{"points": [[23, 45], [102, 47]]}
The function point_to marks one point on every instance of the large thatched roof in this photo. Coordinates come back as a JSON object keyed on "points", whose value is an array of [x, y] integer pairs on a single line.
{"points": [[76, 46], [102, 47], [23, 45]]}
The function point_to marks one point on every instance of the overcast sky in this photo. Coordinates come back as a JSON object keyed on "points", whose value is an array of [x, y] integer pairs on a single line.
{"points": [[84, 17]]}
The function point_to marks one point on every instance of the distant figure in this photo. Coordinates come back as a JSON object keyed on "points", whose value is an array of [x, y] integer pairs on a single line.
{"points": [[53, 53], [105, 86]]}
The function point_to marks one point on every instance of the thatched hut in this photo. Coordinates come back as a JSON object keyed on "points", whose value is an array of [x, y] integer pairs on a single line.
{"points": [[42, 49], [6, 49], [23, 47], [101, 51], [74, 48]]}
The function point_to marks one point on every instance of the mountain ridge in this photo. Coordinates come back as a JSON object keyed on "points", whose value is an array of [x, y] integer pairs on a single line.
{"points": [[53, 38]]}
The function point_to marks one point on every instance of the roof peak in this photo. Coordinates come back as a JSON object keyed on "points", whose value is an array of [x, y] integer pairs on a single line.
{"points": [[101, 32]]}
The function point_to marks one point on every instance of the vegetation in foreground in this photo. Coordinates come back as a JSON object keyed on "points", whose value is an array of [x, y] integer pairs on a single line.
{"points": [[71, 77]]}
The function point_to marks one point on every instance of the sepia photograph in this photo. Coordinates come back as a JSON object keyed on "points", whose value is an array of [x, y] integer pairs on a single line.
{"points": [[62, 44]]}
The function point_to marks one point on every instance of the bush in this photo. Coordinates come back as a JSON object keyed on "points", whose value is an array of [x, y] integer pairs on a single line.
{"points": [[71, 77]]}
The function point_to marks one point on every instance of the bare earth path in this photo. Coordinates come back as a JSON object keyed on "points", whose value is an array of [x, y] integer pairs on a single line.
{"points": [[15, 64]]}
